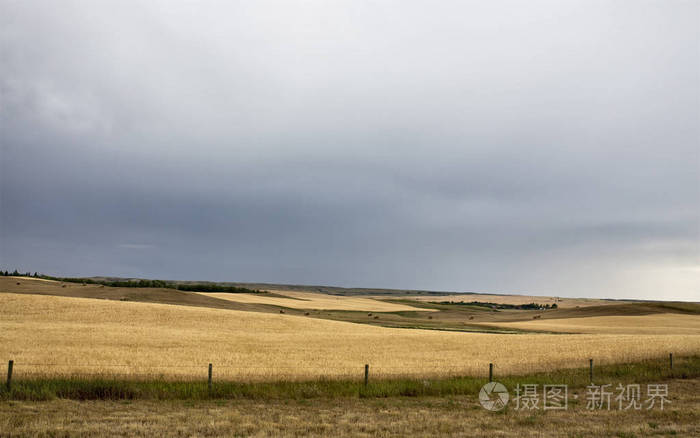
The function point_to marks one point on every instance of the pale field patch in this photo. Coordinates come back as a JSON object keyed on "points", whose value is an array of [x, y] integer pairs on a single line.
{"points": [[512, 299], [90, 336], [661, 323], [34, 279], [315, 301]]}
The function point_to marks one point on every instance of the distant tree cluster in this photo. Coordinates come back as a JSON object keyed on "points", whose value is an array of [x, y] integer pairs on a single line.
{"points": [[16, 273], [189, 287], [112, 283], [529, 306], [212, 287]]}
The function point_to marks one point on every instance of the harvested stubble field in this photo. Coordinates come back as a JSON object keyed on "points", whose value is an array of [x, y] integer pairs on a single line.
{"points": [[513, 299], [317, 301], [662, 323], [53, 336]]}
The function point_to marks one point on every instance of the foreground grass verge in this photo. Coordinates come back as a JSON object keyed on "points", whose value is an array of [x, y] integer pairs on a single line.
{"points": [[459, 415], [91, 388]]}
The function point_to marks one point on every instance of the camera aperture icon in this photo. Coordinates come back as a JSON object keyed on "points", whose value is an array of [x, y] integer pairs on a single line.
{"points": [[493, 396]]}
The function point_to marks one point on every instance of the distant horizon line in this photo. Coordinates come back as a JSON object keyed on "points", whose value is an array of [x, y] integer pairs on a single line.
{"points": [[318, 286]]}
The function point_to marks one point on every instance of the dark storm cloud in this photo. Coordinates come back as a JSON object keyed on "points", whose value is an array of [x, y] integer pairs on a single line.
{"points": [[466, 146]]}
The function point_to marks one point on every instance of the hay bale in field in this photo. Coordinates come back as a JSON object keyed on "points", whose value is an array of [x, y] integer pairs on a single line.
{"points": [[471, 317], [18, 283], [307, 313], [376, 317], [369, 314], [281, 311]]}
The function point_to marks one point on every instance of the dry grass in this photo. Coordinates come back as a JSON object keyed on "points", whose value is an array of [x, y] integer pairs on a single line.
{"points": [[178, 342], [661, 323], [394, 417], [310, 300]]}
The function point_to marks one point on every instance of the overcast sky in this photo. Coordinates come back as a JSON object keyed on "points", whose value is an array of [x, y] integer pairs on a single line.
{"points": [[550, 148]]}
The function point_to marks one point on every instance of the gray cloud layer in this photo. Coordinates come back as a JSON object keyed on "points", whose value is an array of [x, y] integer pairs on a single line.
{"points": [[474, 145]]}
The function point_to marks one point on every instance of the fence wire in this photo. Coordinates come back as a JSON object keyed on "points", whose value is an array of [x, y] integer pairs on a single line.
{"points": [[297, 371]]}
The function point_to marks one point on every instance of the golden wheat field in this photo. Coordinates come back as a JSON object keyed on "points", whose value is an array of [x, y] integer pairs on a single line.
{"points": [[310, 300], [51, 335], [662, 323]]}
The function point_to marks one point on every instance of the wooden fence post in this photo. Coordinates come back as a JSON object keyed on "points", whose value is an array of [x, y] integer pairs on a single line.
{"points": [[490, 372], [366, 374], [590, 372], [209, 383], [9, 374]]}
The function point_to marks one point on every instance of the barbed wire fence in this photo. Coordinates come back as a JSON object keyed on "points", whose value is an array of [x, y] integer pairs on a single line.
{"points": [[355, 371]]}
